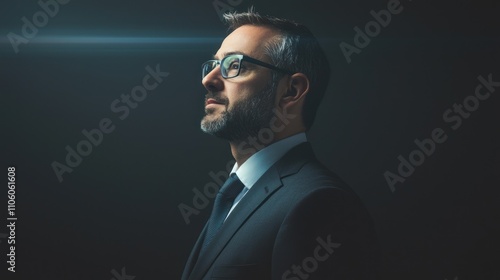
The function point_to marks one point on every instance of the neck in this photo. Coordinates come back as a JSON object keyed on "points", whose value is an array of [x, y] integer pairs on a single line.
{"points": [[243, 150]]}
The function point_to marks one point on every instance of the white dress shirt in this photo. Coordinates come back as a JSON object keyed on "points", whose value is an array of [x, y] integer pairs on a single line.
{"points": [[256, 165]]}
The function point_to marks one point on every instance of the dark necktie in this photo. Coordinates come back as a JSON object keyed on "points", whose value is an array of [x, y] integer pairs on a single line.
{"points": [[223, 203]]}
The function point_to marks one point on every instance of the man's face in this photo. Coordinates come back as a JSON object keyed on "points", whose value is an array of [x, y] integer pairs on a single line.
{"points": [[239, 107]]}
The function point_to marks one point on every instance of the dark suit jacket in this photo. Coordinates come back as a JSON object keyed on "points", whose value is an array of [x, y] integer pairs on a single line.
{"points": [[299, 221]]}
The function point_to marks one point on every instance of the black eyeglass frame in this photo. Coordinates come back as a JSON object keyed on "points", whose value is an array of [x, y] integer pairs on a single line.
{"points": [[241, 58]]}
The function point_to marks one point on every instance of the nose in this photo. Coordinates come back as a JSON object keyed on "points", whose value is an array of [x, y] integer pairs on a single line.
{"points": [[213, 81]]}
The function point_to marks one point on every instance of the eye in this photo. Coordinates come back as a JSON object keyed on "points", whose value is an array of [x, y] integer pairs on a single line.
{"points": [[231, 62], [234, 65]]}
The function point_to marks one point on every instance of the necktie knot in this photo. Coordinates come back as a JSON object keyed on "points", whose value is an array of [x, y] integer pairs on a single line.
{"points": [[232, 187]]}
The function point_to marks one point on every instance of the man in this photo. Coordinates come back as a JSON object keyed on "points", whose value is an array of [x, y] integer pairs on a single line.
{"points": [[281, 214]]}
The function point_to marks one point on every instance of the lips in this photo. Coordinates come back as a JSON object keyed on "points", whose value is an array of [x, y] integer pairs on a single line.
{"points": [[212, 101]]}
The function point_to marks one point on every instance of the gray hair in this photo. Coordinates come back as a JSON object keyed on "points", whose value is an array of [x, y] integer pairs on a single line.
{"points": [[294, 49]]}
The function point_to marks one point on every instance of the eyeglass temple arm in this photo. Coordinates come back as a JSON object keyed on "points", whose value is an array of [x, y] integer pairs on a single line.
{"points": [[258, 62]]}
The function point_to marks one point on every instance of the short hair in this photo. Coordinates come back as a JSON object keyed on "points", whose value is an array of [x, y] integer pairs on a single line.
{"points": [[295, 49]]}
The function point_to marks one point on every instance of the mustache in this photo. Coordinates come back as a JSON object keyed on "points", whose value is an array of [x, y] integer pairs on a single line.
{"points": [[216, 97]]}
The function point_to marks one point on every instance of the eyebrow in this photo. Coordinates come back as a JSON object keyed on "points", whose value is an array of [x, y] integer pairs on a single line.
{"points": [[229, 53]]}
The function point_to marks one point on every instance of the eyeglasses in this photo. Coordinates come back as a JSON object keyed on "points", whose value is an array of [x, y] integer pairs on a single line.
{"points": [[230, 65]]}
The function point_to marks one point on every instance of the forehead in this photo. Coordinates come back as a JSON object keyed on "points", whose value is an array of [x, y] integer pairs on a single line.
{"points": [[247, 39]]}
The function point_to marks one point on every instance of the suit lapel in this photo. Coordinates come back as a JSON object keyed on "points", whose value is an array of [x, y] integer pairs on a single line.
{"points": [[258, 194], [250, 202]]}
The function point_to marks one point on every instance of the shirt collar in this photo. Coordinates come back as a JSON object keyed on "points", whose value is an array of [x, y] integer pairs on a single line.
{"points": [[256, 165]]}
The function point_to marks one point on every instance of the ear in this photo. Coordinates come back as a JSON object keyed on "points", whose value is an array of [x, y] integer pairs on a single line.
{"points": [[298, 87]]}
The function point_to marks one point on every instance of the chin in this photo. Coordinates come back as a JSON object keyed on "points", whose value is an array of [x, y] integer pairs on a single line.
{"points": [[210, 117]]}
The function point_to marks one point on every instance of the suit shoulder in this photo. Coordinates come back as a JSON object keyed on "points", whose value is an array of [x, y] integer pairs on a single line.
{"points": [[313, 175]]}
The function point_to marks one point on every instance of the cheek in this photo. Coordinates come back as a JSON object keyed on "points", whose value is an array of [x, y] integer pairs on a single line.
{"points": [[238, 92], [235, 94]]}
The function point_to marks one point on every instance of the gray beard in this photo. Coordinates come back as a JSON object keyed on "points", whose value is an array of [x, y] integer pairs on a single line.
{"points": [[245, 119]]}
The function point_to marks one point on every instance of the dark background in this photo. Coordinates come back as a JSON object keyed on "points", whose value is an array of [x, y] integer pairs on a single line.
{"points": [[119, 207]]}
